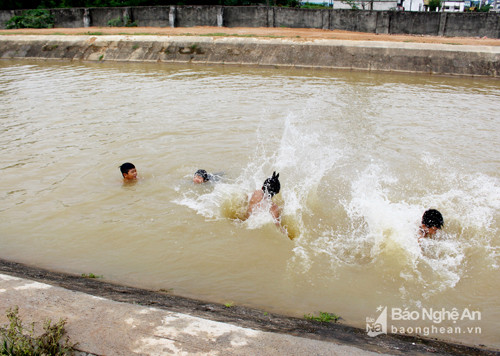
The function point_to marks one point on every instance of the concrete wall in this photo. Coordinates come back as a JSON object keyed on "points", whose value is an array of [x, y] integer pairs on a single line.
{"points": [[248, 16], [69, 18], [397, 22], [150, 16], [6, 15], [423, 23], [482, 23], [189, 16], [300, 18]]}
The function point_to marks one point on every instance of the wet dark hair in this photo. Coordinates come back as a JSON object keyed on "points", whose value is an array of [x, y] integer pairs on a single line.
{"points": [[433, 218], [124, 168], [272, 185], [202, 173]]}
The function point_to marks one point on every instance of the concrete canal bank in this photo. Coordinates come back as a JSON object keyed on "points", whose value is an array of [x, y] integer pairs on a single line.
{"points": [[109, 319], [429, 58]]}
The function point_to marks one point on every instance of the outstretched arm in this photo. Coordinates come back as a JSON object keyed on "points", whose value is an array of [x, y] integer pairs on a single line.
{"points": [[276, 212]]}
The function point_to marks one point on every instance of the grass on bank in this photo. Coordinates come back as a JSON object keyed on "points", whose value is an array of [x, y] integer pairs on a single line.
{"points": [[91, 275], [15, 340], [323, 317]]}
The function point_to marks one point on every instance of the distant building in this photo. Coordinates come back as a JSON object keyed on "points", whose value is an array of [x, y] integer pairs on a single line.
{"points": [[406, 5], [495, 6], [453, 6], [377, 5], [415, 5]]}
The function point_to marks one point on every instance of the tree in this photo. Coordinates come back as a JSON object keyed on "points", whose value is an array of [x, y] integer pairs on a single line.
{"points": [[434, 4]]}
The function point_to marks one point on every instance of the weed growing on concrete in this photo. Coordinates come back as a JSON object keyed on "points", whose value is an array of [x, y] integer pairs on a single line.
{"points": [[15, 340], [229, 305], [119, 22], [49, 48], [91, 275], [166, 291], [323, 317]]}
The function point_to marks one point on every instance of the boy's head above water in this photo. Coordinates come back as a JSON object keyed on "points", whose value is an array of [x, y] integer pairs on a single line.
{"points": [[432, 220], [272, 185], [200, 176], [128, 171]]}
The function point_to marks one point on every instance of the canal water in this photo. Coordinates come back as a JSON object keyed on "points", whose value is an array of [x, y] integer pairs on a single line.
{"points": [[360, 155]]}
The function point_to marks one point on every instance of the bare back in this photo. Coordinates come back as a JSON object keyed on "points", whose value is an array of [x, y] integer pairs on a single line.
{"points": [[255, 201]]}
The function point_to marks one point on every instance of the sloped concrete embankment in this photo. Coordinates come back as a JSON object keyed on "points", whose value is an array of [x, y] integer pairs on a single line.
{"points": [[335, 54], [110, 319]]}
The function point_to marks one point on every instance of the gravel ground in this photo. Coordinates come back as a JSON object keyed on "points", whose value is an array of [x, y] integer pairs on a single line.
{"points": [[298, 34]]}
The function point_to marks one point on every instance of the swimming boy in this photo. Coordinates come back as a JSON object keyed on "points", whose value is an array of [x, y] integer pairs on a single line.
{"points": [[270, 187], [432, 221], [129, 172], [201, 176]]}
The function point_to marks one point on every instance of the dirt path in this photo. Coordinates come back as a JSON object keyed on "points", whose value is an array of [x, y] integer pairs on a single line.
{"points": [[298, 34]]}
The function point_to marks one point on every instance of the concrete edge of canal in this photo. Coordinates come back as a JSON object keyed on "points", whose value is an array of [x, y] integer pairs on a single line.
{"points": [[440, 59], [106, 318]]}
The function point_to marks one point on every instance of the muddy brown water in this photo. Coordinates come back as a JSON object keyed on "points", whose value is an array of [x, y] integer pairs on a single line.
{"points": [[360, 156]]}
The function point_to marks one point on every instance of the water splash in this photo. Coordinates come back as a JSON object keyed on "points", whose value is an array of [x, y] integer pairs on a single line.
{"points": [[302, 156], [367, 215]]}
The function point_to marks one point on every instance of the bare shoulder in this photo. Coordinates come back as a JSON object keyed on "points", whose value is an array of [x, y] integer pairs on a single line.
{"points": [[257, 196]]}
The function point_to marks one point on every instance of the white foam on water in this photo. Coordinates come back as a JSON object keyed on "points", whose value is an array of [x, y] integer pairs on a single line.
{"points": [[302, 158], [384, 232], [378, 214]]}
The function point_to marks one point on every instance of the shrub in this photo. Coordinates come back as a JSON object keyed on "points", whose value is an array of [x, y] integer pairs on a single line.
{"points": [[14, 341], [32, 19], [434, 4], [323, 317]]}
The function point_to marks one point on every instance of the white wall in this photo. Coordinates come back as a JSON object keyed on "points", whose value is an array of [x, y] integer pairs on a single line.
{"points": [[453, 6], [377, 5]]}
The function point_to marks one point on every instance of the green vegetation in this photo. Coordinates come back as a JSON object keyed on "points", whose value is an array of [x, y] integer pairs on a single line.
{"points": [[484, 8], [229, 305], [49, 47], [16, 341], [119, 22], [51, 4], [434, 4], [31, 19], [323, 317], [91, 275], [309, 5]]}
